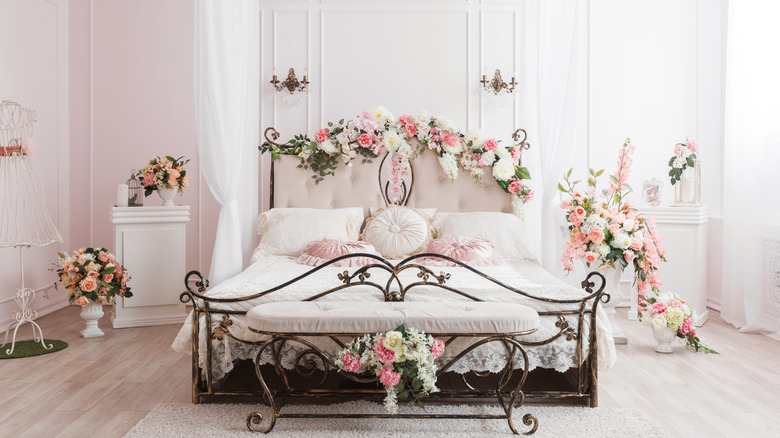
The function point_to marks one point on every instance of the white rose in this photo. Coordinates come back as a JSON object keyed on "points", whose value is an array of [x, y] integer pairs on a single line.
{"points": [[504, 169], [391, 140], [678, 163], [659, 321], [621, 240], [628, 224], [489, 157], [329, 147], [476, 137], [393, 341], [503, 153]]}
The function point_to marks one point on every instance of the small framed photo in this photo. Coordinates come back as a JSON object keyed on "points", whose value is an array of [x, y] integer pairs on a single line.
{"points": [[651, 192]]}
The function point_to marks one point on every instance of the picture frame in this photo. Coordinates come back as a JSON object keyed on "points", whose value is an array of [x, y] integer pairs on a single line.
{"points": [[651, 192]]}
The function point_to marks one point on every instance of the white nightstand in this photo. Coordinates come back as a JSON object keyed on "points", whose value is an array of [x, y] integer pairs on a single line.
{"points": [[684, 234], [151, 242]]}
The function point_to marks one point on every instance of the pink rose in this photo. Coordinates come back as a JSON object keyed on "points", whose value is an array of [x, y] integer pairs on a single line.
{"points": [[566, 204], [184, 181], [614, 228], [591, 257], [108, 278], [658, 308], [596, 236], [490, 144], [687, 326], [365, 140], [321, 135], [628, 255], [103, 257], [575, 219], [93, 274], [438, 348], [636, 244], [148, 180], [515, 186], [88, 284], [388, 377], [83, 301], [351, 362]]}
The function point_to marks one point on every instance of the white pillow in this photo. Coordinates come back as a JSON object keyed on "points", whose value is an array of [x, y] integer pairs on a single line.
{"points": [[398, 232], [285, 231], [504, 230]]}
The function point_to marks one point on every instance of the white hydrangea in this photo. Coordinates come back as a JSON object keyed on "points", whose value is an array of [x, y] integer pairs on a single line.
{"points": [[329, 147], [504, 169], [476, 137], [450, 165], [489, 157], [621, 240]]}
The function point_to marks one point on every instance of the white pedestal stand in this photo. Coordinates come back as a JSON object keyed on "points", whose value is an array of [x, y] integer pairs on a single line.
{"points": [[612, 287]]}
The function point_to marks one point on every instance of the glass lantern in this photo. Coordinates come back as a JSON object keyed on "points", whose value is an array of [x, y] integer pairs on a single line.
{"points": [[687, 191], [135, 191]]}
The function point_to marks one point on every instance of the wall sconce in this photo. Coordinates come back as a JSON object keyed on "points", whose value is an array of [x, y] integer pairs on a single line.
{"points": [[291, 84], [497, 85]]}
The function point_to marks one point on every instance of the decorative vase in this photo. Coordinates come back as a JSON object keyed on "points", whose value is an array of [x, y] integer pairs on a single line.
{"points": [[664, 336], [91, 313], [612, 287], [167, 196], [687, 191]]}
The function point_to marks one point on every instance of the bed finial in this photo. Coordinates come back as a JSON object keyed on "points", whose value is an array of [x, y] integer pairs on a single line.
{"points": [[521, 143]]}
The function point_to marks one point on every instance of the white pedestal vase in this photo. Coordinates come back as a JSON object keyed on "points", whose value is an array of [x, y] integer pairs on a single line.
{"points": [[664, 336], [612, 287], [91, 313], [167, 196], [687, 191]]}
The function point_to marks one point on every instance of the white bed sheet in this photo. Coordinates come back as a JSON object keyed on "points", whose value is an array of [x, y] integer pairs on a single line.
{"points": [[525, 275]]}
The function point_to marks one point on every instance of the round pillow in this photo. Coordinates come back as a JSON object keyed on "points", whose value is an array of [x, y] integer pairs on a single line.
{"points": [[469, 250], [318, 252], [397, 232]]}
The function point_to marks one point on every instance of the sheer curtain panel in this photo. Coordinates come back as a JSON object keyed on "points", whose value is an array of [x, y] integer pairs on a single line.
{"points": [[751, 217], [227, 77]]}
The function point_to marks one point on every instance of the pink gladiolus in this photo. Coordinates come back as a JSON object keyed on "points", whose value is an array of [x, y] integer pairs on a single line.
{"points": [[388, 377], [438, 348]]}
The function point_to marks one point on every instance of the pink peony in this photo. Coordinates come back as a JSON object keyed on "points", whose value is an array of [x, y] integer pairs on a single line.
{"points": [[687, 326], [388, 377], [351, 362], [438, 348], [385, 355], [411, 129], [596, 236], [148, 180], [490, 144], [88, 284], [452, 140], [515, 186], [321, 135], [566, 204], [591, 257], [658, 308], [365, 140]]}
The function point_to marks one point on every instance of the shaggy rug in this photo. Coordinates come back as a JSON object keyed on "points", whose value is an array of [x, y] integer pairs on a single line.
{"points": [[229, 420]]}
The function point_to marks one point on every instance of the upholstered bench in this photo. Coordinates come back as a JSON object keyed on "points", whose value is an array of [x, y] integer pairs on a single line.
{"points": [[482, 322]]}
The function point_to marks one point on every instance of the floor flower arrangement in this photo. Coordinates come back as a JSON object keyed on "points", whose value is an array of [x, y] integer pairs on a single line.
{"points": [[668, 310], [402, 359], [92, 274]]}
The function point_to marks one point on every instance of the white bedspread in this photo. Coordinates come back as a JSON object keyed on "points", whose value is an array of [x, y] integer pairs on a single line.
{"points": [[524, 275]]}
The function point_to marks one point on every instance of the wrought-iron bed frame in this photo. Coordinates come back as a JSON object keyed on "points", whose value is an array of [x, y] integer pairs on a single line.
{"points": [[585, 386]]}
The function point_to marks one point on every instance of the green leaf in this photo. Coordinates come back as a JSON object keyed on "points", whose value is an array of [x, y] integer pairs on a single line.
{"points": [[628, 187], [591, 172], [416, 384], [690, 161], [568, 174], [109, 270], [599, 173], [671, 161], [401, 329], [560, 187], [522, 173], [399, 386], [613, 178], [403, 394], [674, 181]]}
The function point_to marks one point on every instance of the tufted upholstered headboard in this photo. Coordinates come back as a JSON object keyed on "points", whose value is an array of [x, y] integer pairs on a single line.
{"points": [[359, 185]]}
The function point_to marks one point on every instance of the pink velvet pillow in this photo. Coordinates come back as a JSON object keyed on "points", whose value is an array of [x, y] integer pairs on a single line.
{"points": [[318, 252], [469, 250]]}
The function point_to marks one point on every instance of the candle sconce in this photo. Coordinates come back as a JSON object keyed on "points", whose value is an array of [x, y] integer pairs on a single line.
{"points": [[291, 85], [497, 86]]}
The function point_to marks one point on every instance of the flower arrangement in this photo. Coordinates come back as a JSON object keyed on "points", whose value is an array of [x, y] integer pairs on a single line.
{"points": [[164, 173], [377, 131], [92, 274], [684, 156], [402, 359], [669, 310], [607, 229]]}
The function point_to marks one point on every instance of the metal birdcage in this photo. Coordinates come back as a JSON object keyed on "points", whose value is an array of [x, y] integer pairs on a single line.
{"points": [[135, 192]]}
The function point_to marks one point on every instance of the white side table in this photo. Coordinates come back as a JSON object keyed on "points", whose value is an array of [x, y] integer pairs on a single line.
{"points": [[684, 237], [151, 242]]}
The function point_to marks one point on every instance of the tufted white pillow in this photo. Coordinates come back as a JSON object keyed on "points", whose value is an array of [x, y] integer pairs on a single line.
{"points": [[504, 230], [284, 231], [398, 232]]}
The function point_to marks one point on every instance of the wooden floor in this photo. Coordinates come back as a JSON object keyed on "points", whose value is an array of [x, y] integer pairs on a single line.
{"points": [[102, 387]]}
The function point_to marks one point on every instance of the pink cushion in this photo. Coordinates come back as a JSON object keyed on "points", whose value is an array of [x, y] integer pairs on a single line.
{"points": [[318, 252], [469, 250]]}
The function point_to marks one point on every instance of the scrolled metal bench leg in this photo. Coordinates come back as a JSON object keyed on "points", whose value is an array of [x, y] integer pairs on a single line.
{"points": [[517, 398], [256, 418]]}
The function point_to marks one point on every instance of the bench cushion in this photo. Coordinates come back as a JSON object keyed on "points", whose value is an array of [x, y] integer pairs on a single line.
{"points": [[483, 318]]}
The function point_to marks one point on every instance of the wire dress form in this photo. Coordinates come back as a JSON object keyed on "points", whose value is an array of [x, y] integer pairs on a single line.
{"points": [[24, 218]]}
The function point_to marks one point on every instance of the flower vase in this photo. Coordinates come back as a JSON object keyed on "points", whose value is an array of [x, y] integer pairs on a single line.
{"points": [[91, 313], [167, 196], [612, 287], [664, 336], [687, 191]]}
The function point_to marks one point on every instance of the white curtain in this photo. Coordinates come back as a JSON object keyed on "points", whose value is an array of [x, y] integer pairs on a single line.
{"points": [[562, 35], [227, 77], [751, 217]]}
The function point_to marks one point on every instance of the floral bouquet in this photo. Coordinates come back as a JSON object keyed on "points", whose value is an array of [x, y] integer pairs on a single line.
{"points": [[402, 359], [164, 173], [684, 156], [607, 229], [92, 274], [669, 310], [377, 131]]}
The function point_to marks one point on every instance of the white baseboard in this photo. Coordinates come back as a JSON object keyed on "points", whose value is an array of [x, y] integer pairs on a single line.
{"points": [[714, 304], [146, 322]]}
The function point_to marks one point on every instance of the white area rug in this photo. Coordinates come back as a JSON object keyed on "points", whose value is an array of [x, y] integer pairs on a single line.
{"points": [[229, 420]]}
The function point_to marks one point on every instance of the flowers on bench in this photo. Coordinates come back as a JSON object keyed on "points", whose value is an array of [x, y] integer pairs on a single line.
{"points": [[402, 359]]}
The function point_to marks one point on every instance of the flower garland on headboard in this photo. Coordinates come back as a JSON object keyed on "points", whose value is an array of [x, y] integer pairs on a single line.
{"points": [[376, 131]]}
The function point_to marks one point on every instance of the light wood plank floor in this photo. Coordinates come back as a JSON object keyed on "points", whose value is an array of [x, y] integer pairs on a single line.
{"points": [[102, 387]]}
